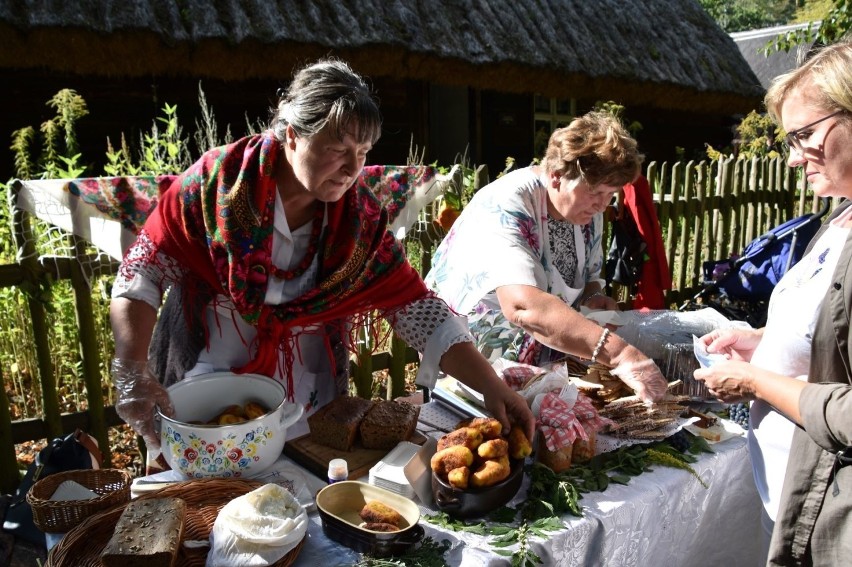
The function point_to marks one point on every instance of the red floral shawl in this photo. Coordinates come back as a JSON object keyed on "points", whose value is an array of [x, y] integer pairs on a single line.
{"points": [[217, 220]]}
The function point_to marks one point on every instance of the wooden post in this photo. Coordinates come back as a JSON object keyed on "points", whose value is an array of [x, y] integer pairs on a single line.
{"points": [[396, 366], [22, 233], [699, 222], [9, 475], [89, 349], [683, 210]]}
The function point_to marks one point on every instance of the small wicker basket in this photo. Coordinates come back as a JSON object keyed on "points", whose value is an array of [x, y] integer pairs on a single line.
{"points": [[82, 546], [58, 516]]}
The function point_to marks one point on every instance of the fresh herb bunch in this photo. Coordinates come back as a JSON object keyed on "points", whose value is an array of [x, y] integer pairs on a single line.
{"points": [[428, 553]]}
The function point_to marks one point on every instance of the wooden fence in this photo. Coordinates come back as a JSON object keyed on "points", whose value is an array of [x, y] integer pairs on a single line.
{"points": [[706, 210]]}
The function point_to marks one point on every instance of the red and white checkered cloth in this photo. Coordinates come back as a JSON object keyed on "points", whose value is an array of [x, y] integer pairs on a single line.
{"points": [[517, 375], [561, 424]]}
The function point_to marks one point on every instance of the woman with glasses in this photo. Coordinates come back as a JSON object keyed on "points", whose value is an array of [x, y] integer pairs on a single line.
{"points": [[797, 369], [526, 254]]}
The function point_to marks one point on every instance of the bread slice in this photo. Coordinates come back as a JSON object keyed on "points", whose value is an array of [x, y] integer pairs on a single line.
{"points": [[387, 423], [336, 424], [148, 534]]}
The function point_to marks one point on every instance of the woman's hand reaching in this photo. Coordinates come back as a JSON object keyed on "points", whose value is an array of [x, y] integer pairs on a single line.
{"points": [[734, 344], [644, 377], [510, 409], [138, 394]]}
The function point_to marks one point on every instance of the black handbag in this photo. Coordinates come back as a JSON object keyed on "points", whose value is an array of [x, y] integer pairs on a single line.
{"points": [[626, 252], [78, 450]]}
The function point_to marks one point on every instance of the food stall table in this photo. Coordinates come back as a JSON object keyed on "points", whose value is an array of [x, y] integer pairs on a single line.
{"points": [[662, 517]]}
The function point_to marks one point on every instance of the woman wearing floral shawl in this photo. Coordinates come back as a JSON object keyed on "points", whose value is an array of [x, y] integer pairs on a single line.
{"points": [[274, 249], [526, 253]]}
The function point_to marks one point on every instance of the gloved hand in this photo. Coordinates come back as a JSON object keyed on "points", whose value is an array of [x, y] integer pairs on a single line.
{"points": [[138, 393], [644, 377]]}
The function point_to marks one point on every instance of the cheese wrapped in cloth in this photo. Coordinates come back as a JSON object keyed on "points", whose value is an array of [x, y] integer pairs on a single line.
{"points": [[257, 529]]}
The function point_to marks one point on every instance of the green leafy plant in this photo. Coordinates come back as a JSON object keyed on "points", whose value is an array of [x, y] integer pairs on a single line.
{"points": [[164, 151], [618, 110], [739, 15], [22, 140], [59, 156], [119, 162], [207, 129], [835, 23], [428, 553], [70, 108], [757, 136]]}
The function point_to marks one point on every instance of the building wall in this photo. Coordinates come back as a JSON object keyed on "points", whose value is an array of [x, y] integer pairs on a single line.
{"points": [[446, 121], [507, 129], [450, 133]]}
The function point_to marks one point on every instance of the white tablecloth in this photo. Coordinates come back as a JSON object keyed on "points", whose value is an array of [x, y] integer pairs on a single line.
{"points": [[664, 517]]}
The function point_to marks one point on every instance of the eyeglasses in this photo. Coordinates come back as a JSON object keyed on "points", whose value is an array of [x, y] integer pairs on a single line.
{"points": [[792, 139]]}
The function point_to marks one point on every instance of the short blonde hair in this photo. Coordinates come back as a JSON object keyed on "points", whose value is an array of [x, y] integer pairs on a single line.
{"points": [[596, 147], [827, 75]]}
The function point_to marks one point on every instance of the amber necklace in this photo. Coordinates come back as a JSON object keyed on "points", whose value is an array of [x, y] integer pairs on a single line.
{"points": [[308, 259]]}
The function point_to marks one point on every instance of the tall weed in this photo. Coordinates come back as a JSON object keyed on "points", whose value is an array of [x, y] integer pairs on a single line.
{"points": [[162, 150]]}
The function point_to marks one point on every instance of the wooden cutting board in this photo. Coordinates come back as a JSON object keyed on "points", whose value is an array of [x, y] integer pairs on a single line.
{"points": [[315, 457]]}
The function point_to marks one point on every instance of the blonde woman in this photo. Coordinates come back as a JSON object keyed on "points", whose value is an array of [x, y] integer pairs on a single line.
{"points": [[797, 368]]}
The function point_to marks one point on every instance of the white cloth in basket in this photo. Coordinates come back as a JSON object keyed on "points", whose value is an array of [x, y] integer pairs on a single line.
{"points": [[257, 529]]}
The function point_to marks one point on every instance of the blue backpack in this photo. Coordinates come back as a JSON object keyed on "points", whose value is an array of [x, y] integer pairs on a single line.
{"points": [[753, 276]]}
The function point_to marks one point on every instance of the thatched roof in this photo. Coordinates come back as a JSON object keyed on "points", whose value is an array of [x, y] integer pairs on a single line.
{"points": [[664, 53]]}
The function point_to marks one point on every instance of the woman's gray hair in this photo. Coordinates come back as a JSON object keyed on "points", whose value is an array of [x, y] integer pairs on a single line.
{"points": [[330, 94]]}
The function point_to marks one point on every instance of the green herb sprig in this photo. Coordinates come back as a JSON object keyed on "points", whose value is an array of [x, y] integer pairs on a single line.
{"points": [[428, 553]]}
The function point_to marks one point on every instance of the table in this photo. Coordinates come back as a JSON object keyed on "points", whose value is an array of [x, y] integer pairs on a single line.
{"points": [[664, 517]]}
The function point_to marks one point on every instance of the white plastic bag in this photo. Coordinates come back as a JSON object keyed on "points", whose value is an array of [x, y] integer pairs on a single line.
{"points": [[652, 331]]}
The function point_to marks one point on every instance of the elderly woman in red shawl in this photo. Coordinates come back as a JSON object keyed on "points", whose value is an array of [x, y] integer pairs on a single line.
{"points": [[272, 252]]}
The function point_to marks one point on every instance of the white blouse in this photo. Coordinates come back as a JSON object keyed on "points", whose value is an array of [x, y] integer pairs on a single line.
{"points": [[786, 349], [426, 325]]}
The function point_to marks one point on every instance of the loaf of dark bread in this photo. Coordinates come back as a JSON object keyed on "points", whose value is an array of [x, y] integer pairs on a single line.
{"points": [[148, 534], [388, 423], [336, 424]]}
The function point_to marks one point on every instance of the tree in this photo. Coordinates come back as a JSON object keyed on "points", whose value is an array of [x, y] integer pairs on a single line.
{"points": [[834, 25], [740, 15]]}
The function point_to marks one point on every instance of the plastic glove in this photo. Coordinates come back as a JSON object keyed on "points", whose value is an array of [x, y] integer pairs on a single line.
{"points": [[644, 378], [138, 393]]}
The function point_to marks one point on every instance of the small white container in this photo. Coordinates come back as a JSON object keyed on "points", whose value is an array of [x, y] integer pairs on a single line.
{"points": [[338, 470]]}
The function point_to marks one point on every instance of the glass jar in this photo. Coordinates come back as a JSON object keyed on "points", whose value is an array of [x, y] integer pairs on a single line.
{"points": [[338, 470]]}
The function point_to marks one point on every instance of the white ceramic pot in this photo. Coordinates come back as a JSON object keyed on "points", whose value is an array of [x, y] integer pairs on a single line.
{"points": [[239, 449]]}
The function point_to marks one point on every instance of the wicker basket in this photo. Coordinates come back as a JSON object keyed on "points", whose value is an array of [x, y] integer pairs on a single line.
{"points": [[59, 516], [82, 546]]}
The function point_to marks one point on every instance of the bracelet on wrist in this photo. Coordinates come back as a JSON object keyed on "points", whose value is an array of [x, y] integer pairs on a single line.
{"points": [[595, 294], [599, 346]]}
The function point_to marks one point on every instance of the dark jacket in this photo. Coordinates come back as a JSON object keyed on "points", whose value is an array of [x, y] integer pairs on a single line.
{"points": [[814, 523]]}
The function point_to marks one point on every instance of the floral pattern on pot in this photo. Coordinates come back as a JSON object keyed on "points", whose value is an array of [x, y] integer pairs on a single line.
{"points": [[227, 457]]}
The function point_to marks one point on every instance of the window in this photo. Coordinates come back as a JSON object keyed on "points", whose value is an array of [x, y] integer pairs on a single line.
{"points": [[550, 114]]}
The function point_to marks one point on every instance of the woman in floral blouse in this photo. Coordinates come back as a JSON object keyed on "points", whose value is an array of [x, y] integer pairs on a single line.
{"points": [[526, 254]]}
